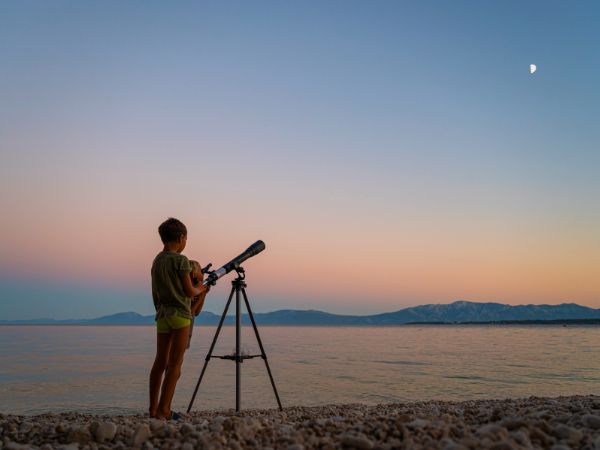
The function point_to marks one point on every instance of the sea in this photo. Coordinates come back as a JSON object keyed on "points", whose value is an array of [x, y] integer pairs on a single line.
{"points": [[104, 369]]}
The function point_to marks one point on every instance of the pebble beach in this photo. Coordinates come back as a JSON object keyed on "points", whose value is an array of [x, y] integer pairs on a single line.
{"points": [[550, 423]]}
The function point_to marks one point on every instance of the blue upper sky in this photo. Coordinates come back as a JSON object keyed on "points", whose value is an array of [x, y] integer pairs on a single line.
{"points": [[405, 113]]}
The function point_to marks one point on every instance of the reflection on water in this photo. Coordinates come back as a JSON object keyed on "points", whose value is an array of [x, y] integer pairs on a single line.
{"points": [[105, 369]]}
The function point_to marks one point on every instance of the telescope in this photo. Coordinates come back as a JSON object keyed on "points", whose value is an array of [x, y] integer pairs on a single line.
{"points": [[214, 275]]}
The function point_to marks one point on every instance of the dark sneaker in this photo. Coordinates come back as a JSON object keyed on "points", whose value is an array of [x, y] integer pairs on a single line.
{"points": [[174, 416]]}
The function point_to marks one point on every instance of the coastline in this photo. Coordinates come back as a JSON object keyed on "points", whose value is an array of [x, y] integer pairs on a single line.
{"points": [[593, 323], [554, 423]]}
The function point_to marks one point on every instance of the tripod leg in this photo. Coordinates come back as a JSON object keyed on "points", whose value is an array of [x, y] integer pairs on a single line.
{"points": [[262, 350], [212, 346], [238, 359]]}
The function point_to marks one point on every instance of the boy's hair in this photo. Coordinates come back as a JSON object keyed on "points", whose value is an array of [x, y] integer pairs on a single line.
{"points": [[171, 229]]}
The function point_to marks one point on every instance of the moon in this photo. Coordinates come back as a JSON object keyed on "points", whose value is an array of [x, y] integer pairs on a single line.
{"points": [[532, 68]]}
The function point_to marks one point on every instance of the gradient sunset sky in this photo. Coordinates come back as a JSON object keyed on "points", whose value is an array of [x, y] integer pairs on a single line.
{"points": [[389, 154]]}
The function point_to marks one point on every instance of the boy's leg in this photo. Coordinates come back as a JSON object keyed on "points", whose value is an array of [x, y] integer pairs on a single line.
{"points": [[163, 345], [179, 340]]}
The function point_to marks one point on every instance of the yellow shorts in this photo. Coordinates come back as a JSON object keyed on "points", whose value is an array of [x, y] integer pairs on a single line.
{"points": [[168, 324]]}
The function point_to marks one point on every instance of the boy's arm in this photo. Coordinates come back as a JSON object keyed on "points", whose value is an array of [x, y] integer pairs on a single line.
{"points": [[198, 304]]}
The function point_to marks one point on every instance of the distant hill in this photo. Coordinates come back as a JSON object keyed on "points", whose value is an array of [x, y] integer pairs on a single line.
{"points": [[126, 318], [457, 312], [462, 311]]}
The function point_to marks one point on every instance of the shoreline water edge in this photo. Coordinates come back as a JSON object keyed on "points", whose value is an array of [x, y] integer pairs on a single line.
{"points": [[523, 423]]}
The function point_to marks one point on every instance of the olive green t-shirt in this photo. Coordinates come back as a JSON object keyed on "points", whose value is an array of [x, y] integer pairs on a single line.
{"points": [[167, 287]]}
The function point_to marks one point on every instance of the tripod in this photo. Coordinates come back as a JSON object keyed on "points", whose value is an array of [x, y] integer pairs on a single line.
{"points": [[238, 286]]}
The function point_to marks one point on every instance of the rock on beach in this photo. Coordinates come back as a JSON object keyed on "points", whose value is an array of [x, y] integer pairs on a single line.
{"points": [[547, 423], [141, 435], [105, 431]]}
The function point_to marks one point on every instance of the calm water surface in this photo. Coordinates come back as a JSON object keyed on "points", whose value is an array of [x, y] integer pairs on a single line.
{"points": [[105, 369]]}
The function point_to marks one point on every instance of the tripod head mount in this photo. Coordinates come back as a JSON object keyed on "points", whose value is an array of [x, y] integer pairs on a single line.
{"points": [[241, 273], [239, 281]]}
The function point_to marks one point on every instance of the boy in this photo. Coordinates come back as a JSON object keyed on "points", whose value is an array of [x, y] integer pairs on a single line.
{"points": [[172, 293]]}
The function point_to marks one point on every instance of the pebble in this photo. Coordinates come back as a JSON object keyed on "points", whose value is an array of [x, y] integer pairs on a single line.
{"points": [[105, 431], [573, 435], [25, 427], [217, 424], [15, 446], [286, 429], [591, 421], [186, 428], [418, 423], [504, 445], [359, 442], [488, 429], [80, 435], [522, 438], [93, 427], [454, 446], [513, 424], [73, 446], [156, 424], [141, 435]]}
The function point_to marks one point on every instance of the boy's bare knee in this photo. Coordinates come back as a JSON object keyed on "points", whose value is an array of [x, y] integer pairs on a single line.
{"points": [[176, 361], [159, 368], [160, 364]]}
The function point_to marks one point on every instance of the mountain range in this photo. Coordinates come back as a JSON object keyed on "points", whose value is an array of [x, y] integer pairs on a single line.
{"points": [[457, 312]]}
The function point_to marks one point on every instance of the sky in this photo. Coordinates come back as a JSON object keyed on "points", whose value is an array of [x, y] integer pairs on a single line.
{"points": [[389, 153]]}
